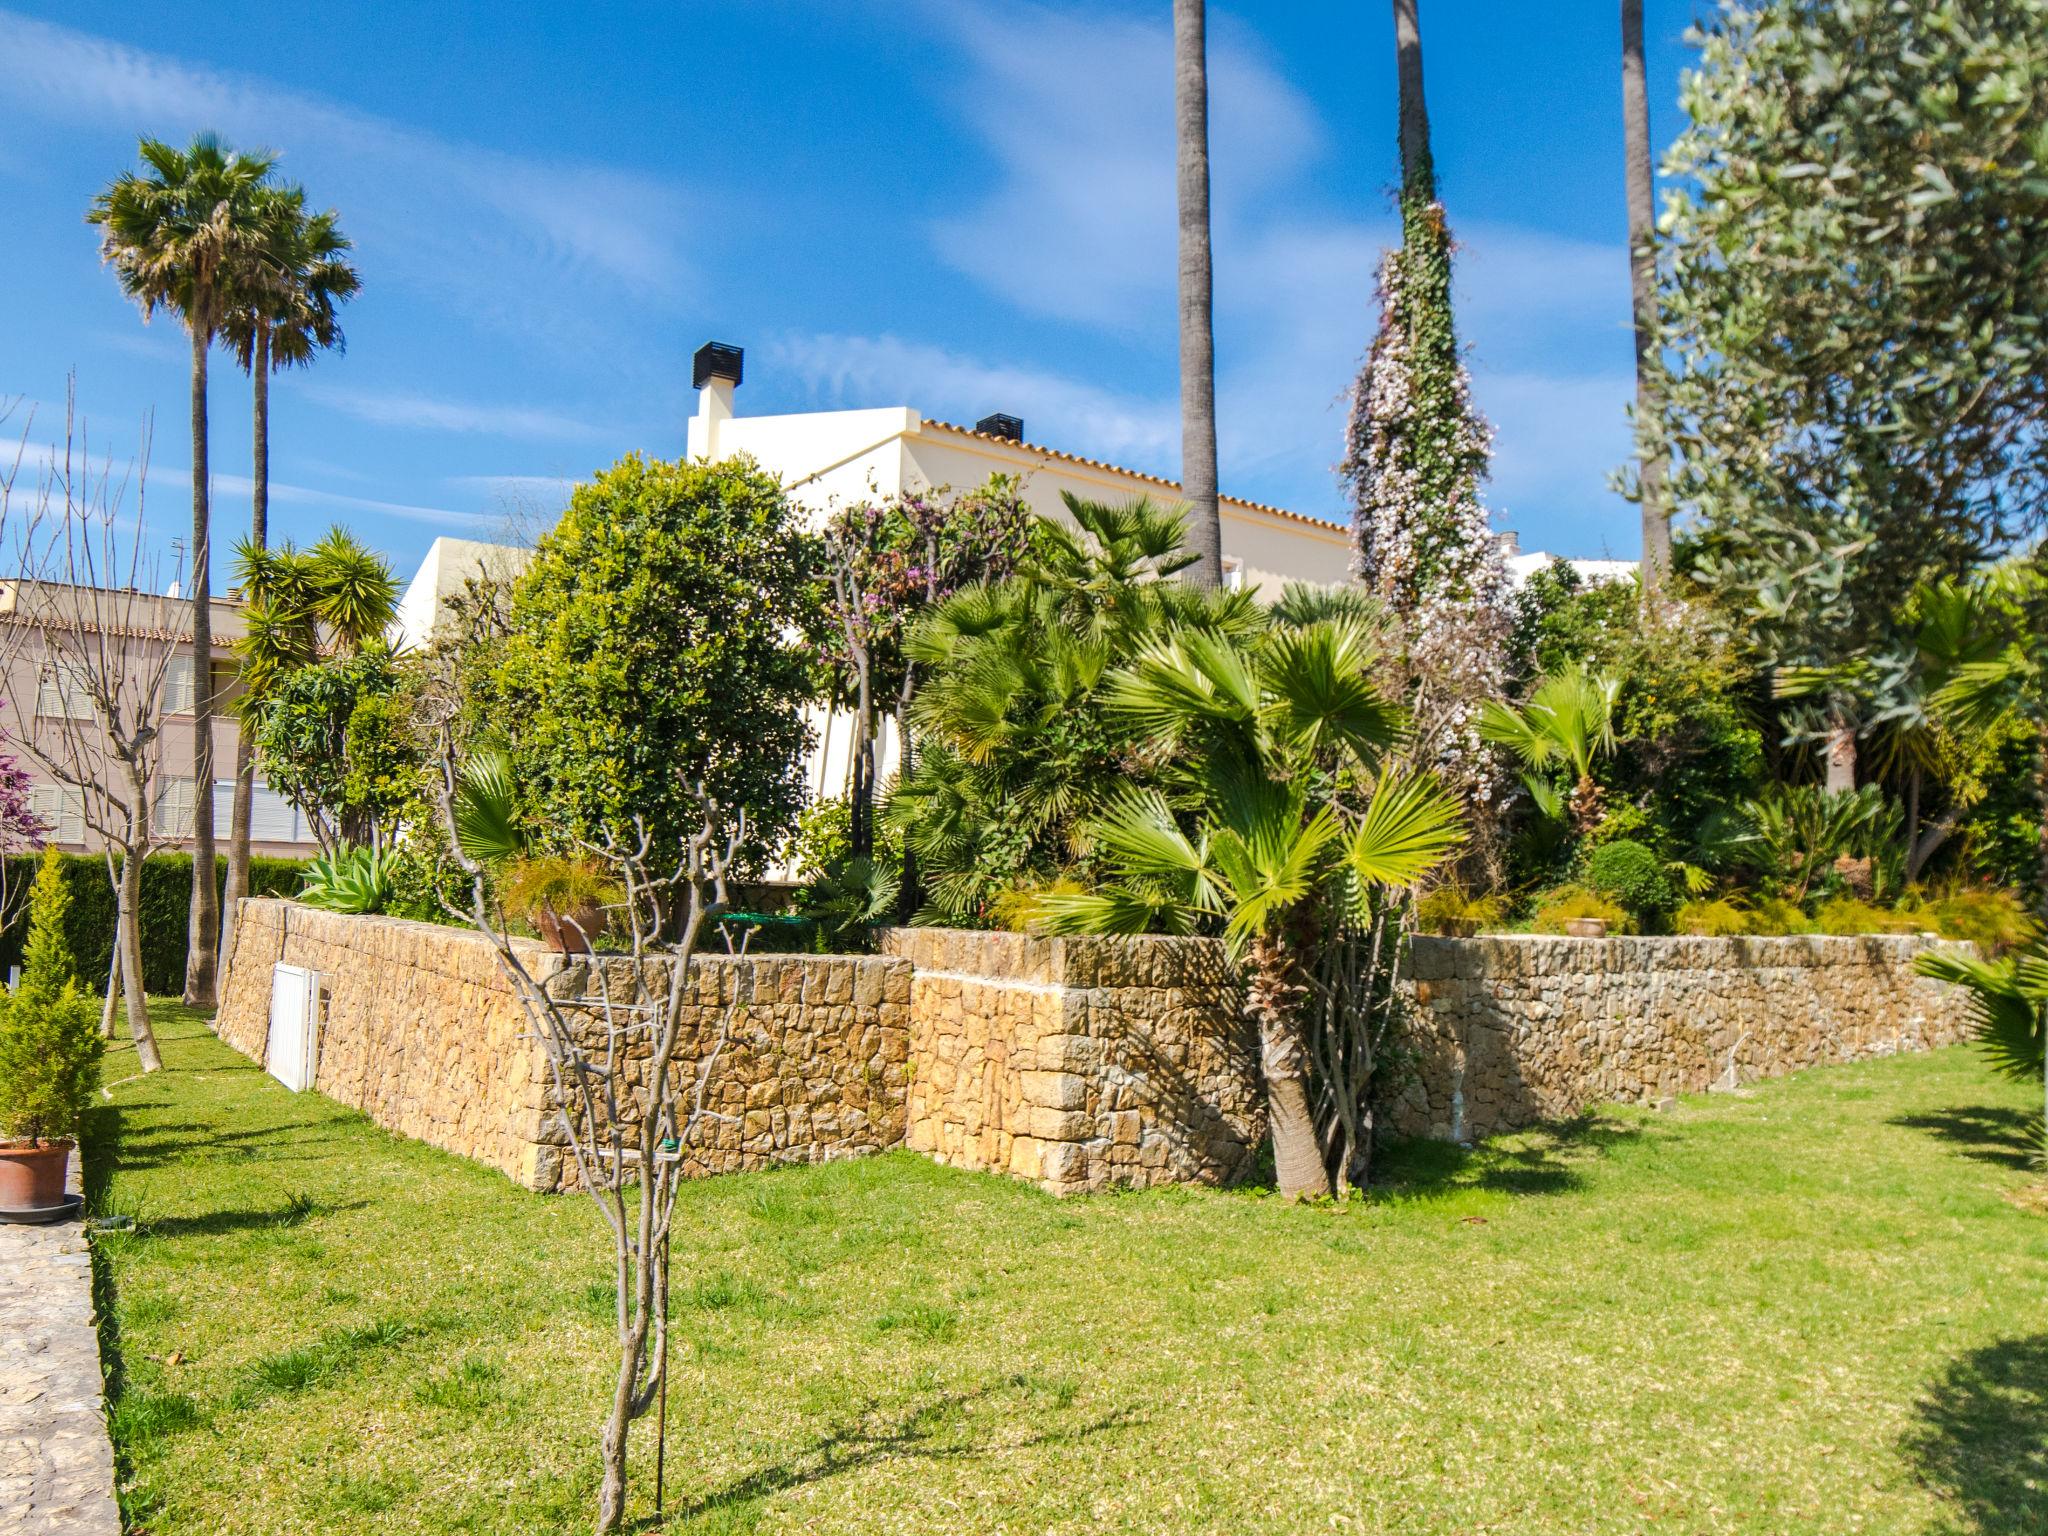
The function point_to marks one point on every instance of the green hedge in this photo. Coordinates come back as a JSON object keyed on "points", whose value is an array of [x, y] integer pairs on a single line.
{"points": [[166, 912]]}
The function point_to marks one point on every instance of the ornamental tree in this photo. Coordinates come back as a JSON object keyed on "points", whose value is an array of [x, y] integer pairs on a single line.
{"points": [[662, 640], [1854, 348]]}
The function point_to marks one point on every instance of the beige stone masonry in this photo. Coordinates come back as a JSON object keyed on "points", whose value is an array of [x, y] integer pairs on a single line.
{"points": [[1076, 1064]]}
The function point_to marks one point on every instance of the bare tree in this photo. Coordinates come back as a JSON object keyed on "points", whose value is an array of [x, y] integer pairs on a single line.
{"points": [[627, 1104], [1640, 182], [91, 629], [1197, 327]]}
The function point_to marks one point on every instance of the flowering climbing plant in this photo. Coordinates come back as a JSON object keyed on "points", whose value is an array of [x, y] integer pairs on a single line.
{"points": [[1416, 453]]}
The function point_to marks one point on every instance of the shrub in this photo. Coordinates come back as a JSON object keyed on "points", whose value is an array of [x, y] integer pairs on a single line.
{"points": [[662, 635], [1631, 875], [1717, 919], [1775, 917], [1846, 915], [166, 911], [50, 1045], [355, 880], [549, 882], [1453, 910], [1983, 914], [1558, 907]]}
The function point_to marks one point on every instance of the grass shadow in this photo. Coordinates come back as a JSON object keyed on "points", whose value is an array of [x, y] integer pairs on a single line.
{"points": [[1982, 1438], [1538, 1160], [2005, 1137], [296, 1211], [864, 1437]]}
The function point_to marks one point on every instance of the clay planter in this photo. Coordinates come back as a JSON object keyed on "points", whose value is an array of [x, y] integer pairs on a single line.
{"points": [[1586, 927], [571, 932], [1459, 927], [32, 1177]]}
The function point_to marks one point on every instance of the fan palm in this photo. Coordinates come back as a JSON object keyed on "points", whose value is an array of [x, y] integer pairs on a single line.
{"points": [[1277, 822], [183, 236], [2009, 1006], [1567, 723]]}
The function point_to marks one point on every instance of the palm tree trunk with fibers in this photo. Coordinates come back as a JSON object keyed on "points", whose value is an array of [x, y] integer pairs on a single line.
{"points": [[1418, 169], [1642, 271], [245, 747], [1197, 332], [1274, 995], [203, 935]]}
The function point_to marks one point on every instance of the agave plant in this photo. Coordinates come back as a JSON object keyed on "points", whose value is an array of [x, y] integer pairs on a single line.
{"points": [[1277, 825], [1568, 723], [351, 879], [2009, 1007]]}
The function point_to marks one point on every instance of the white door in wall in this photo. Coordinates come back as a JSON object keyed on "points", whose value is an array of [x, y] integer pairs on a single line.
{"points": [[294, 1049]]}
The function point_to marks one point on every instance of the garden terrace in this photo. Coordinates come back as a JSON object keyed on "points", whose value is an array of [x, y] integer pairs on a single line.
{"points": [[1807, 1307]]}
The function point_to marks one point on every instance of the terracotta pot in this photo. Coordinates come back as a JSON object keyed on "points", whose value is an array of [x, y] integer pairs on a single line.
{"points": [[572, 932], [1586, 927], [32, 1177], [1459, 927]]}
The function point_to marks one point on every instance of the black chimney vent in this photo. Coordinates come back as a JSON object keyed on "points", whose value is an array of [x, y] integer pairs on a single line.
{"points": [[716, 360], [1000, 425]]}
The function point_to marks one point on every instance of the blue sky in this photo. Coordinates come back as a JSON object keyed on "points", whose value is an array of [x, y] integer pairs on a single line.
{"points": [[957, 205]]}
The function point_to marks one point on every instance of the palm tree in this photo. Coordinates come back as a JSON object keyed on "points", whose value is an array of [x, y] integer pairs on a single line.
{"points": [[1281, 829], [1197, 333], [1568, 722], [1641, 187], [183, 236], [2009, 1006], [287, 314], [1418, 169]]}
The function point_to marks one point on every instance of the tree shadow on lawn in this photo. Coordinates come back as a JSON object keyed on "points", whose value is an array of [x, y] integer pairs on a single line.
{"points": [[864, 1437], [162, 1145], [1990, 1135], [1982, 1438], [1539, 1160]]}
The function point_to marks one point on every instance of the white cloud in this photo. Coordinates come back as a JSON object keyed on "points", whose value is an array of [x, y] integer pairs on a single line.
{"points": [[309, 496], [498, 236], [406, 408], [1081, 418]]}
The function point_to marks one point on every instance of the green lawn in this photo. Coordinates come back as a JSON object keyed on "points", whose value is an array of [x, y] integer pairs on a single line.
{"points": [[1812, 1307]]}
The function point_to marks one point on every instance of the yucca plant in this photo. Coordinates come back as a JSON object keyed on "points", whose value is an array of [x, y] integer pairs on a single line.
{"points": [[351, 879], [2009, 1008], [1567, 724], [1277, 827]]}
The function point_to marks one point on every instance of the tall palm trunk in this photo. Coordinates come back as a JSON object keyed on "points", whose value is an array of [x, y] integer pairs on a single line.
{"points": [[203, 934], [1274, 994], [1841, 754], [245, 747], [1418, 169], [1197, 333], [1642, 271]]}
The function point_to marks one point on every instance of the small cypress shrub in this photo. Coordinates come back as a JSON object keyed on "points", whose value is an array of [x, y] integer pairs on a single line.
{"points": [[50, 1045]]}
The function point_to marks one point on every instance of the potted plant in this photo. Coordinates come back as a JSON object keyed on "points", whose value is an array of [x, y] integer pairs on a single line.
{"points": [[50, 1050], [1455, 913], [562, 899]]}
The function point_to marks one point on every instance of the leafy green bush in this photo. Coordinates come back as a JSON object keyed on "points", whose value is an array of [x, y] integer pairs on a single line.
{"points": [[1626, 872], [1988, 915], [50, 1045], [1846, 915], [1775, 917], [166, 912], [1451, 909], [1556, 908]]}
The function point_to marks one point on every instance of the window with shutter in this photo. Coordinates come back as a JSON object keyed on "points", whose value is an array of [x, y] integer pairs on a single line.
{"points": [[179, 686], [174, 809], [61, 809], [60, 698], [273, 819]]}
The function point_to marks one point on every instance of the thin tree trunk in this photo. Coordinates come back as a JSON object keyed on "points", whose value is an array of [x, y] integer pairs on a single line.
{"points": [[245, 750], [203, 933], [111, 1008], [128, 934], [1418, 168], [1640, 180], [1841, 756], [1197, 333]]}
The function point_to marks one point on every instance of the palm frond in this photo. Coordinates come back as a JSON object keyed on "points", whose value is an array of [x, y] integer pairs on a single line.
{"points": [[1411, 824]]}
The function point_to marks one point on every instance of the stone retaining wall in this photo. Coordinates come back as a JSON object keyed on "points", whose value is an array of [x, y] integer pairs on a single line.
{"points": [[1511, 1030], [1079, 1063], [422, 1032], [1073, 1063]]}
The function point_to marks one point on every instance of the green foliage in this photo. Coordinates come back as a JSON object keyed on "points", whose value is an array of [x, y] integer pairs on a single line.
{"points": [[1851, 305], [335, 736], [662, 635], [2009, 1005], [1716, 919], [1556, 908], [1452, 909], [1017, 748], [1796, 832], [1848, 915], [422, 887], [554, 883], [1627, 872], [1988, 915], [350, 879], [166, 908], [50, 1045], [848, 901]]}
